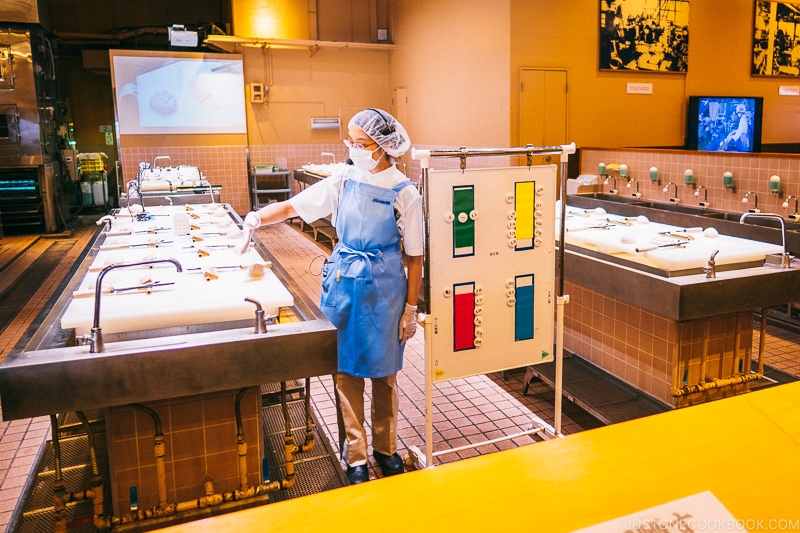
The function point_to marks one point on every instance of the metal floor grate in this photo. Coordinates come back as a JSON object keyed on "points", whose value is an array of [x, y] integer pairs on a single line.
{"points": [[602, 395], [38, 515], [316, 470], [772, 377], [273, 418], [271, 392], [317, 475]]}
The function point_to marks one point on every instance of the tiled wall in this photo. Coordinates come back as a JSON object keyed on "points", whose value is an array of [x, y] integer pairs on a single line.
{"points": [[728, 341], [641, 348], [751, 172], [221, 165], [200, 435], [635, 345], [227, 165]]}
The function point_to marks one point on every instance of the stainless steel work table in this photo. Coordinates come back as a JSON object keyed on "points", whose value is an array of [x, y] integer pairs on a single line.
{"points": [[48, 374], [684, 297]]}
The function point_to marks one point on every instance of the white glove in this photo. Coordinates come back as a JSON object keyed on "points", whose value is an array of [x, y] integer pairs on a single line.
{"points": [[408, 323], [251, 222]]}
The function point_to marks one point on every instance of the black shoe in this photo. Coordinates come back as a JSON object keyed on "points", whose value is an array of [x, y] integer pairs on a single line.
{"points": [[391, 465], [357, 474]]}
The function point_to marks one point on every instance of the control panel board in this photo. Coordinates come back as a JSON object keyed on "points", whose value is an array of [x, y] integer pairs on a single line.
{"points": [[492, 269]]}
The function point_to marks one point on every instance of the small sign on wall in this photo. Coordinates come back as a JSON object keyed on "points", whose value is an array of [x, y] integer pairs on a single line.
{"points": [[639, 88]]}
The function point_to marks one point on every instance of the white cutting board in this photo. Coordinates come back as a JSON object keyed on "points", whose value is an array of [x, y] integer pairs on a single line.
{"points": [[192, 299], [694, 254]]}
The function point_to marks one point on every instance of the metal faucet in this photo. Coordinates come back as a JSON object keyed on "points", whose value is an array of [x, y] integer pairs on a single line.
{"points": [[711, 268], [262, 320], [108, 219], [614, 187], [210, 189], [705, 202], [156, 158], [673, 199], [95, 339], [755, 197], [796, 215], [786, 259], [329, 155], [143, 166], [636, 194]]}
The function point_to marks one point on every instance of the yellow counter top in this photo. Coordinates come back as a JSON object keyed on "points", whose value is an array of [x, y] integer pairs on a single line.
{"points": [[745, 450]]}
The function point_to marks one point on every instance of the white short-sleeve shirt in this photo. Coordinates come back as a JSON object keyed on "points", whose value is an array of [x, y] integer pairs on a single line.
{"points": [[322, 199]]}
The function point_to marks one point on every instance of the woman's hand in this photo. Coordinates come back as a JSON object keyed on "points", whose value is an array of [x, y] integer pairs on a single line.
{"points": [[269, 214], [251, 222], [408, 323]]}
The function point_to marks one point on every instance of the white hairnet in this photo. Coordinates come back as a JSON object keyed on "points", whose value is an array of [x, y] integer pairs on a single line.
{"points": [[384, 129]]}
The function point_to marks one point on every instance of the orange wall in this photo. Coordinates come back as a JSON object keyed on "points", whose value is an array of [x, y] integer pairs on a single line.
{"points": [[460, 62], [565, 34], [452, 57], [302, 86], [268, 19], [729, 25]]}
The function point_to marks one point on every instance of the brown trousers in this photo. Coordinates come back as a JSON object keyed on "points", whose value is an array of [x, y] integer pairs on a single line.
{"points": [[383, 415]]}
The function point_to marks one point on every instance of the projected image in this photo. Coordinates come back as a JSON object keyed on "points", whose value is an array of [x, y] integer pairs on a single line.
{"points": [[726, 124], [179, 95]]}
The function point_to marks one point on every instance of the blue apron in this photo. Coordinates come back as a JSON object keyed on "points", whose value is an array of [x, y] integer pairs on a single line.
{"points": [[364, 285]]}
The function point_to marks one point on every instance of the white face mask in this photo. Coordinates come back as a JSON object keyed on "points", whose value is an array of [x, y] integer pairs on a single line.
{"points": [[362, 158]]}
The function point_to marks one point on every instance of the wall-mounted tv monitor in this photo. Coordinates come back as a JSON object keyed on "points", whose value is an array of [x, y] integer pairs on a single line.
{"points": [[724, 123], [178, 92]]}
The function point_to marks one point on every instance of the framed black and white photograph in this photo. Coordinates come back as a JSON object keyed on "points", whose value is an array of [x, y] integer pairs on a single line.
{"points": [[644, 35], [776, 39]]}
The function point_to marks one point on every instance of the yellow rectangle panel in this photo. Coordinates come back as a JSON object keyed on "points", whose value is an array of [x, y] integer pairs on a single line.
{"points": [[524, 195]]}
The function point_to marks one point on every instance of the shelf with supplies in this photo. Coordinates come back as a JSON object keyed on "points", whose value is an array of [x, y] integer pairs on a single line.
{"points": [[268, 183], [323, 226]]}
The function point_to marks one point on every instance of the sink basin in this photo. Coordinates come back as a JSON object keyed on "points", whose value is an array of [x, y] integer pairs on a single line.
{"points": [[766, 222], [611, 198], [685, 209]]}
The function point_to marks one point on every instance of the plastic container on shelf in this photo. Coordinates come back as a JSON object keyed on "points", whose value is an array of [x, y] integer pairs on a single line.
{"points": [[92, 176], [86, 193], [93, 162], [100, 192]]}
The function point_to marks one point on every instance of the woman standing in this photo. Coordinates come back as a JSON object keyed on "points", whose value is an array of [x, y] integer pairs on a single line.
{"points": [[366, 293]]}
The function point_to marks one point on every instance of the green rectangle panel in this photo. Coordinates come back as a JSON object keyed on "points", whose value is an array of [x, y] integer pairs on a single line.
{"points": [[463, 225]]}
